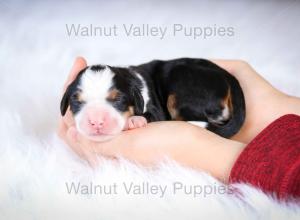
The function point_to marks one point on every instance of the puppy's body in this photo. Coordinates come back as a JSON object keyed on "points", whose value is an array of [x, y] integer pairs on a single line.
{"points": [[194, 90]]}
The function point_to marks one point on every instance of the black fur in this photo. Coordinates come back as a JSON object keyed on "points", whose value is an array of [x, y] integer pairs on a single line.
{"points": [[199, 86], [129, 87], [70, 96]]}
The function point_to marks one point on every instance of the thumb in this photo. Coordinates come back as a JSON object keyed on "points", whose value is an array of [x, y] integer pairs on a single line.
{"points": [[72, 135], [79, 64], [72, 141], [82, 147]]}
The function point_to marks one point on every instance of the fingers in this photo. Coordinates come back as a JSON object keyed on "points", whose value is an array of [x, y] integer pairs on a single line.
{"points": [[88, 150], [71, 139], [77, 143], [83, 150], [245, 74], [79, 64], [62, 129], [68, 118], [232, 66], [72, 135]]}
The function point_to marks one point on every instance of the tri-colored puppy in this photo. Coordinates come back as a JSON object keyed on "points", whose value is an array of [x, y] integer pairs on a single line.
{"points": [[106, 100]]}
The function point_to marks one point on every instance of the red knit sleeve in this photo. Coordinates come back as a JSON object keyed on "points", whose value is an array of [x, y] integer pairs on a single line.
{"points": [[272, 160]]}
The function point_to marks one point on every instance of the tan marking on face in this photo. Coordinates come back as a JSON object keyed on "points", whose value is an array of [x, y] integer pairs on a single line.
{"points": [[79, 97], [227, 101], [129, 112], [112, 95], [171, 105]]}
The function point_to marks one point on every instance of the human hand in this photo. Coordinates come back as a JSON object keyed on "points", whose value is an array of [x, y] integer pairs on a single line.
{"points": [[66, 123], [150, 144], [191, 146]]}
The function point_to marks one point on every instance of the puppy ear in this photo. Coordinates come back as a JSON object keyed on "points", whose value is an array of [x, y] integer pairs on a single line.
{"points": [[138, 101], [65, 101]]}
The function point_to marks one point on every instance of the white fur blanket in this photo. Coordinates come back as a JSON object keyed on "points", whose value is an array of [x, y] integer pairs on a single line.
{"points": [[37, 170]]}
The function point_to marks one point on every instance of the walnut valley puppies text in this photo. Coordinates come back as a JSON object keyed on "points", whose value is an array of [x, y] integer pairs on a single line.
{"points": [[146, 188], [150, 31]]}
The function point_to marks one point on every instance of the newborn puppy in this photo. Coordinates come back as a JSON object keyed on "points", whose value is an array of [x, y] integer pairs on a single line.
{"points": [[106, 100]]}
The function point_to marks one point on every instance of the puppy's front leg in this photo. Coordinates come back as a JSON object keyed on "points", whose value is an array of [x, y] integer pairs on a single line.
{"points": [[135, 122]]}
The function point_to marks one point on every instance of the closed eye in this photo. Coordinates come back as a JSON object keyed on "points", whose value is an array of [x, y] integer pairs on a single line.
{"points": [[75, 98], [117, 99], [119, 102], [113, 95], [114, 99], [76, 103]]}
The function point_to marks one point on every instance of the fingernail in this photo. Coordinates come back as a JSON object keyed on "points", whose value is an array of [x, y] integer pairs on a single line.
{"points": [[79, 59]]}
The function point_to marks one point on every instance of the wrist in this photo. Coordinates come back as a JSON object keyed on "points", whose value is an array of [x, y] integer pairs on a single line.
{"points": [[210, 153]]}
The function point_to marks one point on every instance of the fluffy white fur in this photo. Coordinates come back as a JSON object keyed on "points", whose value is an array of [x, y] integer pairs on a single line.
{"points": [[95, 85], [35, 56]]}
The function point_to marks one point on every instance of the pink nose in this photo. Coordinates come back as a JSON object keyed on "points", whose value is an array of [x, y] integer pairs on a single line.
{"points": [[96, 124], [98, 121]]}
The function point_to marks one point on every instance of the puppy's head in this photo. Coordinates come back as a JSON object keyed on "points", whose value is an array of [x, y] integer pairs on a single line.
{"points": [[101, 99]]}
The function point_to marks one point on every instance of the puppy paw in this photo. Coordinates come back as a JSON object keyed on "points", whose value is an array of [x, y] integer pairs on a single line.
{"points": [[135, 122]]}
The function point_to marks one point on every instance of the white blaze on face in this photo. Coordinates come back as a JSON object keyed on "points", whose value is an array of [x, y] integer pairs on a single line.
{"points": [[94, 86]]}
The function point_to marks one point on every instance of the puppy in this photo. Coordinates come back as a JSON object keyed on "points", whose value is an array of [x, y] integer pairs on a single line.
{"points": [[106, 100]]}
